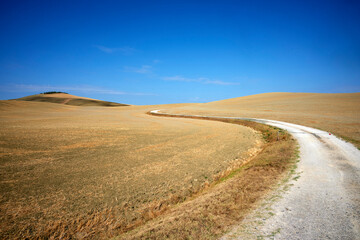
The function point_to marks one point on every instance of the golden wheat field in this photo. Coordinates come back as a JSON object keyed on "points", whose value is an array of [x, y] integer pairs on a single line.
{"points": [[96, 172], [218, 207], [336, 113]]}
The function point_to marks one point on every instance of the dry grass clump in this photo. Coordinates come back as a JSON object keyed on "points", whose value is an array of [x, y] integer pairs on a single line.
{"points": [[73, 172], [225, 202]]}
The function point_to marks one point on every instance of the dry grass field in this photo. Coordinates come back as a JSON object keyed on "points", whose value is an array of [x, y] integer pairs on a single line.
{"points": [[95, 172], [223, 204], [335, 113]]}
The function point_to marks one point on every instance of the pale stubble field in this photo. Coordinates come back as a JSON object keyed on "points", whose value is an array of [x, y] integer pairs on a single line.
{"points": [[95, 171]]}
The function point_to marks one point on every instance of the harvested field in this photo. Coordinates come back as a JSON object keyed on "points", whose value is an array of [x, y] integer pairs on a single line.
{"points": [[226, 202], [335, 113], [96, 172]]}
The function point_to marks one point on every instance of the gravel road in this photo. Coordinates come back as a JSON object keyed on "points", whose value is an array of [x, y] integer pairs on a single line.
{"points": [[324, 202]]}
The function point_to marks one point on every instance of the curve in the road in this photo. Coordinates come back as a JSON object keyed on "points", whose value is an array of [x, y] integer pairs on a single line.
{"points": [[324, 203]]}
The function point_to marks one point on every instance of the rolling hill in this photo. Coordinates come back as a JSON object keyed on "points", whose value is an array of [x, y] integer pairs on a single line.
{"points": [[336, 113], [68, 99]]}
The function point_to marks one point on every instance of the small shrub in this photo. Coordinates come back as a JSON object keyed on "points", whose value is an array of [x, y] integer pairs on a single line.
{"points": [[52, 92]]}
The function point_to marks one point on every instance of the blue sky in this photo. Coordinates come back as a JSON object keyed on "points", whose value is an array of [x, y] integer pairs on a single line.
{"points": [[153, 52]]}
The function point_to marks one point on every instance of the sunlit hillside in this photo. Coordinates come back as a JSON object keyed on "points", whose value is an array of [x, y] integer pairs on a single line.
{"points": [[335, 113]]}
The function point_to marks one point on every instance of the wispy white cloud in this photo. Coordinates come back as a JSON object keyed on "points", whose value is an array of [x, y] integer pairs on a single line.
{"points": [[201, 80], [346, 89], [218, 82], [84, 89], [180, 79], [142, 70], [194, 99], [123, 50]]}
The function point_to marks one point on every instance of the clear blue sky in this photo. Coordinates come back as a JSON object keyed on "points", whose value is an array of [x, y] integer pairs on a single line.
{"points": [[152, 52]]}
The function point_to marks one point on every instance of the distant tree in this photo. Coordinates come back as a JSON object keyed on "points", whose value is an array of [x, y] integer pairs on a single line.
{"points": [[52, 92]]}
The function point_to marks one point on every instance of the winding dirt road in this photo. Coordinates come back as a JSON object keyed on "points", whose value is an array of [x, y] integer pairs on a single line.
{"points": [[324, 203]]}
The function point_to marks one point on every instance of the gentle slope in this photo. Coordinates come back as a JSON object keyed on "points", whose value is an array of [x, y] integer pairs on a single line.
{"points": [[335, 113], [68, 99]]}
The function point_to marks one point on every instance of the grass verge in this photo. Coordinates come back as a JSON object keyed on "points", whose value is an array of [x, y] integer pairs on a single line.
{"points": [[216, 208]]}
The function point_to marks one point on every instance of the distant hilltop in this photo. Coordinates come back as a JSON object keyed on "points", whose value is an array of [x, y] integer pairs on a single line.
{"points": [[68, 99]]}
